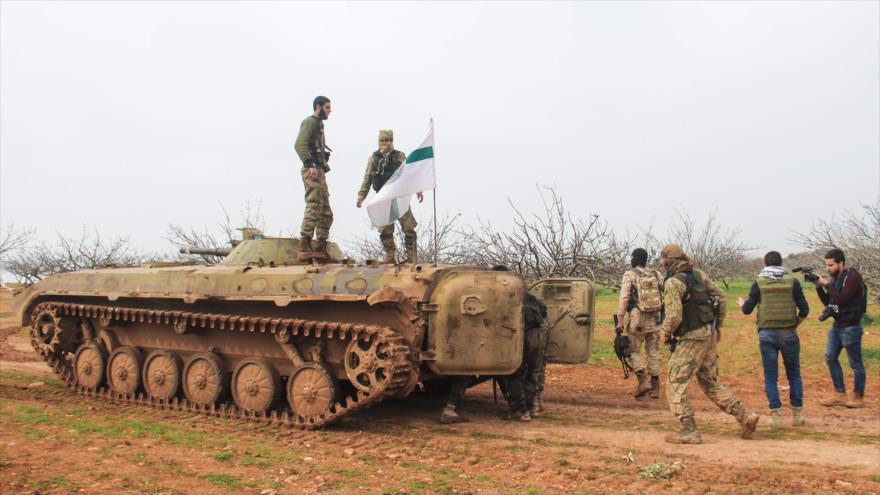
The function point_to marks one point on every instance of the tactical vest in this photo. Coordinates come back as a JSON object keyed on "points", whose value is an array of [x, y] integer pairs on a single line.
{"points": [[777, 308], [317, 146], [697, 310], [856, 307], [385, 168]]}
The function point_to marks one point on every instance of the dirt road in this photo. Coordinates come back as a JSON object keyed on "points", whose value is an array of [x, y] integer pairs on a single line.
{"points": [[594, 439]]}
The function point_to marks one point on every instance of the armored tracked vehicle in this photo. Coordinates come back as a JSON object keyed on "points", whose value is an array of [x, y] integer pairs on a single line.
{"points": [[261, 337]]}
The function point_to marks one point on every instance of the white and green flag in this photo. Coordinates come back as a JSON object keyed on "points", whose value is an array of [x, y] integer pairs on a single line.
{"points": [[414, 176]]}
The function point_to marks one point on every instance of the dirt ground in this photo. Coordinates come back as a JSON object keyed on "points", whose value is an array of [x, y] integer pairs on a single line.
{"points": [[594, 439]]}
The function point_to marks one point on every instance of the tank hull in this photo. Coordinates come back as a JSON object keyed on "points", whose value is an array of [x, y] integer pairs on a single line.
{"points": [[308, 343]]}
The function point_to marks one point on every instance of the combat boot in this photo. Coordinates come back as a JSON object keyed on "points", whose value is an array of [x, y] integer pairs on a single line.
{"points": [[655, 387], [858, 401], [644, 385], [797, 416], [390, 257], [521, 416], [688, 433], [320, 246], [776, 420], [749, 424], [305, 244], [838, 399], [449, 416]]}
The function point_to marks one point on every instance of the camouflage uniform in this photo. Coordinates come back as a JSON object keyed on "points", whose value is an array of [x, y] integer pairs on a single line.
{"points": [[519, 388], [695, 354], [641, 327], [310, 146], [375, 165]]}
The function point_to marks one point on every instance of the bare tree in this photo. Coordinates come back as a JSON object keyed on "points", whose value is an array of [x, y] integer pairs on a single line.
{"points": [[13, 239], [83, 252], [718, 252], [549, 243], [857, 234], [368, 247], [224, 234]]}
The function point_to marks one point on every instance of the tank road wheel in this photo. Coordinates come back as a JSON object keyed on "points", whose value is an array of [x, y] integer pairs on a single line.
{"points": [[311, 389], [255, 385], [124, 370], [366, 363], [162, 374], [204, 381], [88, 366]]}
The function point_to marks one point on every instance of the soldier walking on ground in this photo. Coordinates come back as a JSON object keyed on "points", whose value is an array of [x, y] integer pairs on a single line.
{"points": [[692, 320], [640, 298], [314, 154], [781, 308], [380, 167]]}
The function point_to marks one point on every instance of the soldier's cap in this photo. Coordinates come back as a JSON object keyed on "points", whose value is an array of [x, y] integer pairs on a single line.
{"points": [[386, 134], [672, 252]]}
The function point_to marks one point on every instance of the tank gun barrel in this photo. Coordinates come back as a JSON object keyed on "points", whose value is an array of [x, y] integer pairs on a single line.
{"points": [[205, 251]]}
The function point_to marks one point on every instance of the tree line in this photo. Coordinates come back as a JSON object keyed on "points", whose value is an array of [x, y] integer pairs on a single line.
{"points": [[551, 241]]}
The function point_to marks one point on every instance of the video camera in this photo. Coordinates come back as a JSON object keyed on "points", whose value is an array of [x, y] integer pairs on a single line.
{"points": [[809, 276], [829, 311]]}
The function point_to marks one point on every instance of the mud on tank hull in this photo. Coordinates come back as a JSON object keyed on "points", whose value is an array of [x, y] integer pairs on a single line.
{"points": [[302, 345]]}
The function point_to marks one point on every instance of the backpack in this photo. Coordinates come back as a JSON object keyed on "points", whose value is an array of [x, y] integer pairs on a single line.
{"points": [[648, 291]]}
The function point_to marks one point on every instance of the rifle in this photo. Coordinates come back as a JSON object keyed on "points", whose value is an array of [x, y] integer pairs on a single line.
{"points": [[621, 349]]}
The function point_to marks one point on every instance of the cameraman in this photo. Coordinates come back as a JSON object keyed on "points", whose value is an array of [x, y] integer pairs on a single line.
{"points": [[781, 307], [847, 292]]}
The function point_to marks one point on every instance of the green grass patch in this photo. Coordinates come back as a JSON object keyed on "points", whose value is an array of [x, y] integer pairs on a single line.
{"points": [[223, 456], [224, 480], [871, 354]]}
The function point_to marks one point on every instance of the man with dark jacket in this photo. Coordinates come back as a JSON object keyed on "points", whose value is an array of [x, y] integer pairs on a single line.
{"points": [[781, 307], [847, 297]]}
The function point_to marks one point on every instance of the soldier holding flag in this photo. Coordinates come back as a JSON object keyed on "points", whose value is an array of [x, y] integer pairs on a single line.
{"points": [[381, 166]]}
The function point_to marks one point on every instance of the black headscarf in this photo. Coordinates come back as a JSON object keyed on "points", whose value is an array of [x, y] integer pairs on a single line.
{"points": [[639, 257]]}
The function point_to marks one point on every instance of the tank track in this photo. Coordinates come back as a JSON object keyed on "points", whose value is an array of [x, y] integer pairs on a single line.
{"points": [[60, 360]]}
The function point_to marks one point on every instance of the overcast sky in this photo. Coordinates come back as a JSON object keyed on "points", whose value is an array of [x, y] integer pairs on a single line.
{"points": [[129, 116]]}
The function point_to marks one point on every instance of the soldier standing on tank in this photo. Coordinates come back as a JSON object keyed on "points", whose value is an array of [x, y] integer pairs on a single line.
{"points": [[380, 167], [314, 154], [641, 299], [694, 323]]}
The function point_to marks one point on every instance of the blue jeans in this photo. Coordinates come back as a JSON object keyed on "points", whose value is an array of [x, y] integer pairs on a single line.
{"points": [[787, 343], [849, 338]]}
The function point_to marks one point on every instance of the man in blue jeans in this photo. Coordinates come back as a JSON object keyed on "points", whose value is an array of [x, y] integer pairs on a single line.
{"points": [[781, 307], [847, 298]]}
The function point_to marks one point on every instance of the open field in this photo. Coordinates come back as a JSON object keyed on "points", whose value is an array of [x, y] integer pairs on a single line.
{"points": [[595, 438]]}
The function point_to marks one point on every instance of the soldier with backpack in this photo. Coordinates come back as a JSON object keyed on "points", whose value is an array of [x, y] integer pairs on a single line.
{"points": [[694, 319], [641, 301]]}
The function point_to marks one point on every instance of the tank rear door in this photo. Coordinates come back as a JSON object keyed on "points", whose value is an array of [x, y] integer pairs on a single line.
{"points": [[475, 324], [571, 305]]}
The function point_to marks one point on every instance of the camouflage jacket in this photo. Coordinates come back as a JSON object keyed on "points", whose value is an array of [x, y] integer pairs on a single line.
{"points": [[628, 287], [674, 292], [310, 143], [372, 167]]}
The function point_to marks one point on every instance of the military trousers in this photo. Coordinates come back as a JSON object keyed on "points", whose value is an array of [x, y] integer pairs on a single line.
{"points": [[521, 387], [698, 356], [407, 225], [644, 328], [317, 217]]}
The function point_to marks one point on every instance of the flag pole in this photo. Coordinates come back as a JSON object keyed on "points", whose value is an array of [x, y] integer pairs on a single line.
{"points": [[435, 224]]}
